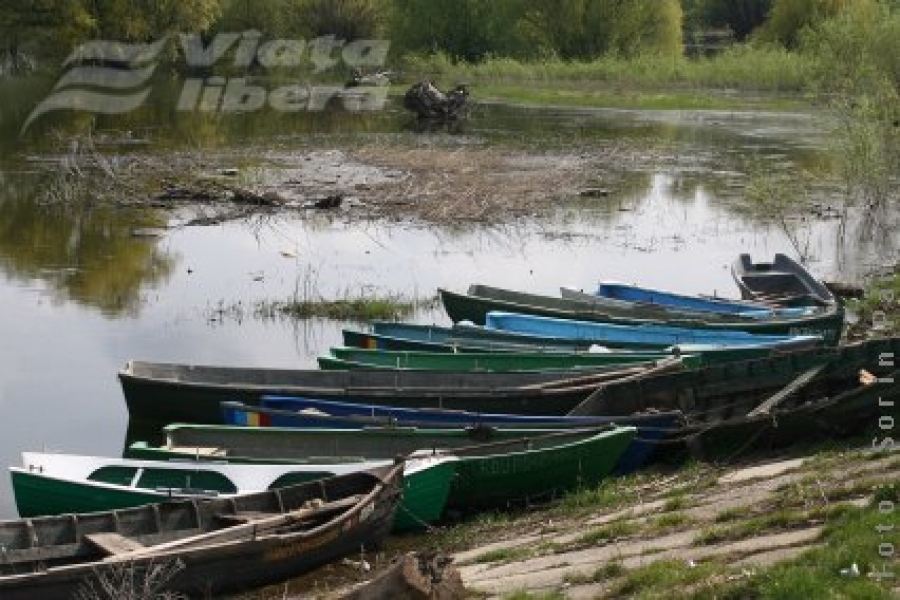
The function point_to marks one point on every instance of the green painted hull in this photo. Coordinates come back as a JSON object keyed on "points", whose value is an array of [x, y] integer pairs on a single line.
{"points": [[469, 307], [496, 467], [372, 341], [343, 358], [38, 496], [537, 474], [425, 495]]}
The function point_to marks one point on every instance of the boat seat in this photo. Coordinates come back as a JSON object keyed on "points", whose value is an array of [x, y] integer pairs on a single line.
{"points": [[112, 544]]}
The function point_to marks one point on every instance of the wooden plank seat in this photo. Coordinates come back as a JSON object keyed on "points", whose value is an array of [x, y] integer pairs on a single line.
{"points": [[112, 544]]}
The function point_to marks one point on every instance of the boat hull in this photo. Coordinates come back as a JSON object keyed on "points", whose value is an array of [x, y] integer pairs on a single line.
{"points": [[481, 300], [157, 394], [529, 463], [719, 401], [58, 556]]}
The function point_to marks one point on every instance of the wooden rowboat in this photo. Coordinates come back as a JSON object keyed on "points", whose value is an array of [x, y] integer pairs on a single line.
{"points": [[482, 299], [210, 546], [664, 304], [496, 467], [684, 340], [456, 341], [160, 393], [763, 403], [783, 281], [53, 484], [277, 411], [511, 362]]}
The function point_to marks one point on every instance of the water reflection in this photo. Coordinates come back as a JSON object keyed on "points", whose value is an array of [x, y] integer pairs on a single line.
{"points": [[86, 255]]}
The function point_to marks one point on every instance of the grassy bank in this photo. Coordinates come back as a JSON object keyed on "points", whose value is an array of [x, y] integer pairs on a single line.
{"points": [[777, 79]]}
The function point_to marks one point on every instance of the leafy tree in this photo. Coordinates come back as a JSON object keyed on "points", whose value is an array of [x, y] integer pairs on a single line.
{"points": [[789, 18], [147, 20], [48, 26], [345, 19], [742, 17]]}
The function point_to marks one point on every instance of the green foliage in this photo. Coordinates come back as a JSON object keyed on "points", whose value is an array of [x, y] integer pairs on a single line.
{"points": [[788, 19], [345, 19], [742, 17], [856, 61], [474, 30]]}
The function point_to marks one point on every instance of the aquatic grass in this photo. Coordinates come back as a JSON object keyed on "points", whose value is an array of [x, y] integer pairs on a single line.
{"points": [[613, 81], [351, 309]]}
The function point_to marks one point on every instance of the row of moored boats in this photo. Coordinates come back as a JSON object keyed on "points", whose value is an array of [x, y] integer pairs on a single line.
{"points": [[243, 476]]}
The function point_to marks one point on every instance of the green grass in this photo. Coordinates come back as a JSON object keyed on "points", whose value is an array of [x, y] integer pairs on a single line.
{"points": [[608, 571], [526, 595], [662, 577], [881, 295], [505, 554], [669, 521], [676, 502], [606, 533], [646, 82]]}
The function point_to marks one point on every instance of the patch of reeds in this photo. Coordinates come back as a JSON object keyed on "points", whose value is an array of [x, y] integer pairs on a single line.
{"points": [[742, 67]]}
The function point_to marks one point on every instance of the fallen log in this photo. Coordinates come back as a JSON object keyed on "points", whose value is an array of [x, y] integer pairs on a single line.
{"points": [[413, 576]]}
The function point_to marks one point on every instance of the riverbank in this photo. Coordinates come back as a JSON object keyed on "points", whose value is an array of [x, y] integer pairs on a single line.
{"points": [[796, 525]]}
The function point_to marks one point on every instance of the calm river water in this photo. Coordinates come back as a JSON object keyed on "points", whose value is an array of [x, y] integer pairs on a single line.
{"points": [[81, 295]]}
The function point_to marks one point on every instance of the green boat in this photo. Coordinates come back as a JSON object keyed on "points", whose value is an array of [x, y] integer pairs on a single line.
{"points": [[733, 408], [55, 484], [482, 299], [347, 358], [496, 467], [708, 354]]}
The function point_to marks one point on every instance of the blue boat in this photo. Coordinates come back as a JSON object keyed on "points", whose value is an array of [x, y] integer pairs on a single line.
{"points": [[682, 302], [433, 338], [281, 411], [687, 340]]}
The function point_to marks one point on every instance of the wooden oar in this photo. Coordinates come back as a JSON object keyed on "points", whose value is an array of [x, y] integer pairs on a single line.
{"points": [[766, 406]]}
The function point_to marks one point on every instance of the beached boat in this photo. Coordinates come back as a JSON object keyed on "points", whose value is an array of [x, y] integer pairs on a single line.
{"points": [[208, 546], [496, 467], [714, 346], [682, 339], [162, 393], [482, 299], [276, 411], [53, 484], [653, 302], [797, 397], [466, 334], [510, 362], [461, 344], [452, 342], [783, 281]]}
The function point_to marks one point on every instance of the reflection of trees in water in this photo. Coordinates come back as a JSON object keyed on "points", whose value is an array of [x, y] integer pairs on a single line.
{"points": [[89, 256]]}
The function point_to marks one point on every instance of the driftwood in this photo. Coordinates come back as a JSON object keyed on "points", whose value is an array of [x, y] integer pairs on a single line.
{"points": [[428, 102], [413, 576]]}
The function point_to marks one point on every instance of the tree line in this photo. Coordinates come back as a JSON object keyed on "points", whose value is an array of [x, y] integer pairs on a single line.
{"points": [[470, 30]]}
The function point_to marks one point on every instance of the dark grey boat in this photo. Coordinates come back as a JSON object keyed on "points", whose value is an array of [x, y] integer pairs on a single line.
{"points": [[212, 546], [736, 407], [783, 281], [161, 393]]}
